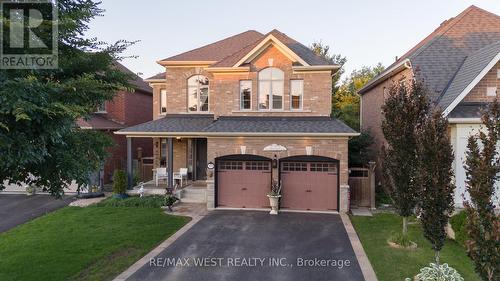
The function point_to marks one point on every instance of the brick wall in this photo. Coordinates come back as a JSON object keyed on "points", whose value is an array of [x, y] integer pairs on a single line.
{"points": [[224, 89], [334, 148], [478, 93]]}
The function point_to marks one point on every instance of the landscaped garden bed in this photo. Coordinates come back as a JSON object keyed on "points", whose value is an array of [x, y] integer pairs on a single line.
{"points": [[92, 243], [396, 264]]}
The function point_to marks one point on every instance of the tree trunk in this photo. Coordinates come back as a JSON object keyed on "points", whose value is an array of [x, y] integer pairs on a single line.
{"points": [[405, 226], [437, 257]]}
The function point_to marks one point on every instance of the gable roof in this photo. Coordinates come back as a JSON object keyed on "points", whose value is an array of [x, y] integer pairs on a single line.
{"points": [[228, 52], [220, 49], [136, 81], [437, 58]]}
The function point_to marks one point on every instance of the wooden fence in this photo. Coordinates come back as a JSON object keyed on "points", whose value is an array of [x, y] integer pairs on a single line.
{"points": [[362, 186]]}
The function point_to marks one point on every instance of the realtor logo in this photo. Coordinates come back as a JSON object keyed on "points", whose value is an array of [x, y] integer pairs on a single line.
{"points": [[28, 30]]}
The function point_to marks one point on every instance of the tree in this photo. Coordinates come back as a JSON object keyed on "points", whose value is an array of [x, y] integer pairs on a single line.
{"points": [[482, 166], [404, 111], [435, 156], [39, 141], [324, 51], [360, 152]]}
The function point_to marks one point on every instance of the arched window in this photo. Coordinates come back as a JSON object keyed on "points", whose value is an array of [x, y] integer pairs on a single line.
{"points": [[271, 88], [198, 93]]}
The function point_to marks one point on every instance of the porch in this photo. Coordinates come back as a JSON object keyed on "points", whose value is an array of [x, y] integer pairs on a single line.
{"points": [[191, 192]]}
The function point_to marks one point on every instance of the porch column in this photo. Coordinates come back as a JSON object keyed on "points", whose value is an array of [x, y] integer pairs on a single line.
{"points": [[170, 165], [129, 163]]}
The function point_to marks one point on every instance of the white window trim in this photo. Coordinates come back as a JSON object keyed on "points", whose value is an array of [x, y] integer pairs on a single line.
{"points": [[241, 97], [301, 96], [99, 111], [162, 91], [198, 111], [271, 93]]}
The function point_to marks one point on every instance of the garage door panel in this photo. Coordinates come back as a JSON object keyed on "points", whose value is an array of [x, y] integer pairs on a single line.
{"points": [[243, 184], [309, 186]]}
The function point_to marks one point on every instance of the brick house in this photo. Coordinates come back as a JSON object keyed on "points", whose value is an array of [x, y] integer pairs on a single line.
{"points": [[459, 63], [126, 109], [256, 107]]}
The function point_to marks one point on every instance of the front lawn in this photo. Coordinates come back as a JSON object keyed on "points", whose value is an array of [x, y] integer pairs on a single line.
{"points": [[395, 264], [93, 243]]}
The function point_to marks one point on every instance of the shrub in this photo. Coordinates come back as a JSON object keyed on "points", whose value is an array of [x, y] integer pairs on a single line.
{"points": [[436, 272], [402, 240], [155, 201], [119, 182], [458, 222]]}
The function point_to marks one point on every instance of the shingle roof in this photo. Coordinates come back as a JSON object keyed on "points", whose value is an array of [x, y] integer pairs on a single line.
{"points": [[157, 76], [182, 123], [98, 122], [468, 110], [302, 51], [136, 81], [438, 57], [244, 124], [469, 70], [220, 49], [174, 123]]}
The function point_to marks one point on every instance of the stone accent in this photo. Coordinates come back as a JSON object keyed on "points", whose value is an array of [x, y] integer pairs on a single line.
{"points": [[344, 198], [210, 194]]}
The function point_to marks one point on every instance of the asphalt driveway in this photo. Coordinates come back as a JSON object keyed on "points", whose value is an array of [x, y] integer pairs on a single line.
{"points": [[16, 209], [248, 245]]}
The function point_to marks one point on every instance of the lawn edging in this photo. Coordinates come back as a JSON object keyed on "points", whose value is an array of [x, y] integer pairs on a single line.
{"points": [[156, 251], [363, 261]]}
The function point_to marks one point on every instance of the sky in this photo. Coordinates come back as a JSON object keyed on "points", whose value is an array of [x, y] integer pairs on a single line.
{"points": [[364, 31]]}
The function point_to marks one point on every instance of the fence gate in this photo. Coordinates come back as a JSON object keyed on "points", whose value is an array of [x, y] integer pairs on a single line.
{"points": [[362, 186]]}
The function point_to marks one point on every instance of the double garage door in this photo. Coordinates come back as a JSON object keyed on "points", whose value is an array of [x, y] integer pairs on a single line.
{"points": [[308, 183]]}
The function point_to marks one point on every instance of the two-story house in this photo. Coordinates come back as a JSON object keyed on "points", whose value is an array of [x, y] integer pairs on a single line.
{"points": [[255, 107], [459, 63], [127, 108]]}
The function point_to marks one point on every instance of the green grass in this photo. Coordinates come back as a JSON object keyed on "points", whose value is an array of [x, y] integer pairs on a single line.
{"points": [[395, 264], [93, 243]]}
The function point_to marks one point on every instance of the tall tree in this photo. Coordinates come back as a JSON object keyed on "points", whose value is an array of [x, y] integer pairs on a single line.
{"points": [[482, 166], [404, 110], [324, 51], [435, 156], [39, 141]]}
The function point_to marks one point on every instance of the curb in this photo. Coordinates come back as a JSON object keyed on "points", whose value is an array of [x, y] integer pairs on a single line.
{"points": [[363, 261]]}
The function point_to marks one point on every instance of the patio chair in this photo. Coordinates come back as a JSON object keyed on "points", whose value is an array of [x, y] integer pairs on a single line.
{"points": [[161, 173], [183, 172]]}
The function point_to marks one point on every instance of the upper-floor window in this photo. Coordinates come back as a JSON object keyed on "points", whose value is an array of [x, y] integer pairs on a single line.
{"points": [[271, 88], [101, 108], [296, 94], [163, 101], [245, 94], [198, 93]]}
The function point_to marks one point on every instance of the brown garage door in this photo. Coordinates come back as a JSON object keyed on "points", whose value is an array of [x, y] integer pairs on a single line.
{"points": [[243, 184], [309, 186]]}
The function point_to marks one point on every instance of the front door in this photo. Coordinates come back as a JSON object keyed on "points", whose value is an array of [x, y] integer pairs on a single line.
{"points": [[201, 159]]}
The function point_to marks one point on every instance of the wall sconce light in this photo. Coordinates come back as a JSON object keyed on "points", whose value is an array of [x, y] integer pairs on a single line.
{"points": [[309, 150], [178, 139], [157, 143], [275, 162], [243, 149]]}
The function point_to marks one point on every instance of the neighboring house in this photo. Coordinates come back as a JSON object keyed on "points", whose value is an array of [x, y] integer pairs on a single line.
{"points": [[257, 107], [459, 63], [126, 109]]}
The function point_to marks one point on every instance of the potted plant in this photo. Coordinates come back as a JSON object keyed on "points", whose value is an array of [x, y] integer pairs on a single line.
{"points": [[274, 197], [119, 184]]}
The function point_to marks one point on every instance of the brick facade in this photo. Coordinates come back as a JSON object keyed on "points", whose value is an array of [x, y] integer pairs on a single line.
{"points": [[478, 93]]}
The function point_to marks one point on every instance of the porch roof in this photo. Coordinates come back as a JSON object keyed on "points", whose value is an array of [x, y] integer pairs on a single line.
{"points": [[206, 125], [468, 110]]}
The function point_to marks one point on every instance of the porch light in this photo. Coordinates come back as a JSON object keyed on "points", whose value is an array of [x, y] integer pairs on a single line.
{"points": [[243, 149], [178, 138], [309, 150]]}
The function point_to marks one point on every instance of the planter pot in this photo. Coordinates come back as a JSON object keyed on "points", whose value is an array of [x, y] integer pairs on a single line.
{"points": [[30, 190], [274, 202]]}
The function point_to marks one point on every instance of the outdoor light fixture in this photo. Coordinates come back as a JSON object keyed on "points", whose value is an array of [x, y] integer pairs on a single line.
{"points": [[243, 149], [309, 150], [275, 162]]}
